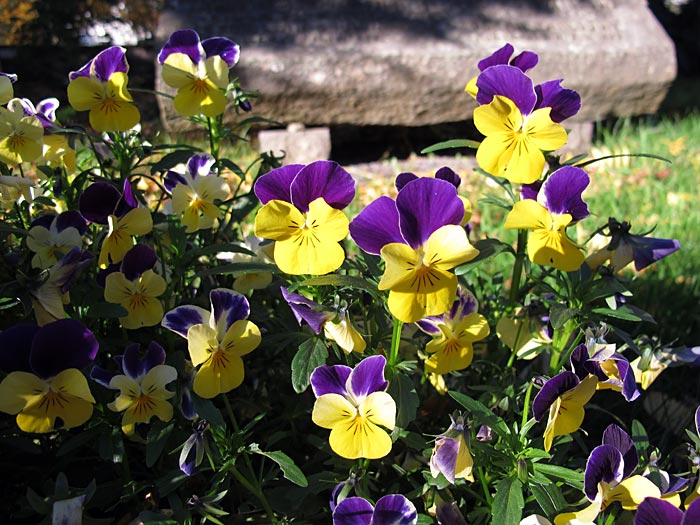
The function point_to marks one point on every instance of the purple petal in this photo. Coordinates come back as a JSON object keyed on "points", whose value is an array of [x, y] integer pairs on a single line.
{"points": [[621, 440], [368, 377], [394, 509], [353, 511], [449, 175], [182, 318], [692, 513], [227, 49], [499, 57], [11, 76], [44, 221], [98, 201], [60, 345], [604, 464], [70, 266], [376, 226], [525, 61], [172, 179], [426, 205], [530, 191], [200, 164], [15, 345], [187, 404], [276, 184], [655, 511], [47, 108], [565, 103], [648, 250], [71, 219], [448, 514], [131, 361], [330, 380], [404, 178], [561, 192], [128, 200], [306, 310], [578, 359], [323, 178], [84, 71], [111, 60], [464, 305], [697, 421], [183, 41], [227, 307], [137, 260], [101, 376], [629, 385], [509, 82], [551, 390], [429, 324], [445, 456]]}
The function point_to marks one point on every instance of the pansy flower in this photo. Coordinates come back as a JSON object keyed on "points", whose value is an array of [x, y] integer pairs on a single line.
{"points": [[420, 237], [6, 90], [625, 248], [526, 330], [547, 214], [337, 325], [516, 131], [100, 87], [655, 511], [216, 340], [136, 287], [21, 135], [142, 386], [192, 453], [50, 296], [52, 236], [612, 369], [524, 61], [102, 203], [253, 251], [562, 399], [454, 333], [195, 192], [302, 213], [353, 404], [14, 189], [609, 478], [451, 456], [392, 509], [45, 387], [199, 71]]}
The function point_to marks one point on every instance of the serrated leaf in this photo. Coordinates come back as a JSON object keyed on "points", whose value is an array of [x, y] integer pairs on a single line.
{"points": [[156, 441], [311, 354], [479, 411], [508, 503], [403, 391], [451, 144], [289, 468]]}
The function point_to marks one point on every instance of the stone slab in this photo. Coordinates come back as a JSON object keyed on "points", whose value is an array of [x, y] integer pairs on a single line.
{"points": [[405, 62], [298, 144]]}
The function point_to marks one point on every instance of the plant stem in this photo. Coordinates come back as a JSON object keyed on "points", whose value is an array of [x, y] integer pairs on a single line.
{"points": [[395, 342], [526, 405], [484, 486], [518, 267]]}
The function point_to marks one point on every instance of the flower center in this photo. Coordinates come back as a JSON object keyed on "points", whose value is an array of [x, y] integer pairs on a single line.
{"points": [[143, 406], [109, 105], [199, 86], [219, 360]]}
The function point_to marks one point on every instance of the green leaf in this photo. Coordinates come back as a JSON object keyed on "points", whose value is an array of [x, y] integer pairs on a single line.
{"points": [[549, 498], [482, 413], [172, 159], [106, 310], [8, 302], [207, 410], [560, 314], [224, 269], [570, 477], [487, 249], [312, 353], [402, 389], [215, 249], [624, 312], [289, 468], [450, 144], [640, 437], [156, 441], [508, 503], [341, 280]]}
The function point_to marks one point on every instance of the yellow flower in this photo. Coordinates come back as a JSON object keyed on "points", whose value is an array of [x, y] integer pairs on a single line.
{"points": [[21, 136], [138, 297], [514, 143], [195, 201], [137, 221]]}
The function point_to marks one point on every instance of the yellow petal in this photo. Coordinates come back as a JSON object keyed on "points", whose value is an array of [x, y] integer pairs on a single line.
{"points": [[178, 70], [19, 389], [278, 220], [380, 409], [448, 247], [543, 132], [631, 492], [241, 338], [359, 438], [499, 116], [465, 462], [201, 342], [345, 335], [331, 410], [84, 93], [220, 374], [410, 307]]}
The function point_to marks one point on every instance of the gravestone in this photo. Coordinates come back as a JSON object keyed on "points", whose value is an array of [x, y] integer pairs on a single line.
{"points": [[406, 62]]}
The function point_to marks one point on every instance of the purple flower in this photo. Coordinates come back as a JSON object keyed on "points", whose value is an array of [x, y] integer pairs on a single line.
{"points": [[132, 363], [451, 456], [655, 511], [420, 237], [302, 213], [392, 509], [194, 448]]}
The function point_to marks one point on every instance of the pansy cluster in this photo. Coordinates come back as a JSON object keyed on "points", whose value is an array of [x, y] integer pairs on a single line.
{"points": [[210, 333]]}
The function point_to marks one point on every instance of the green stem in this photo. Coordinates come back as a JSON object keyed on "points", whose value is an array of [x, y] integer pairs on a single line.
{"points": [[518, 267], [560, 343], [484, 486], [214, 136], [395, 342], [526, 405]]}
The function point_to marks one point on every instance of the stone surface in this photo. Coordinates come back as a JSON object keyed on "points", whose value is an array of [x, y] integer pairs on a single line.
{"points": [[298, 144], [405, 62]]}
